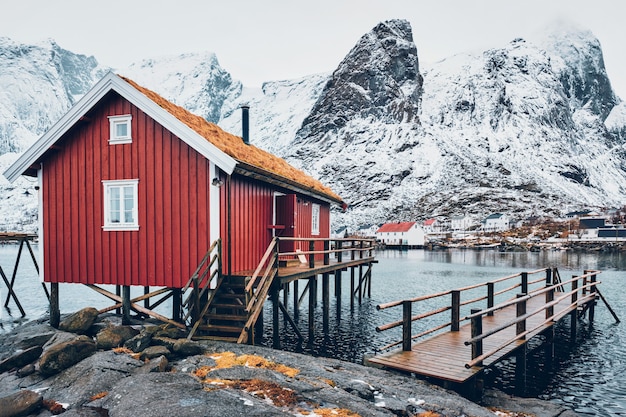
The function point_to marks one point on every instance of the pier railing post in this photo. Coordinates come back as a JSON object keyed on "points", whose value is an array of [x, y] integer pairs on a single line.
{"points": [[525, 282], [326, 249], [592, 305], [490, 295], [521, 310], [352, 251], [548, 277], [406, 325], [311, 254], [477, 330], [339, 246], [456, 310], [549, 299], [574, 313]]}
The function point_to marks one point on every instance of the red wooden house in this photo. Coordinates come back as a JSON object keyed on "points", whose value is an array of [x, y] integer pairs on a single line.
{"points": [[134, 190]]}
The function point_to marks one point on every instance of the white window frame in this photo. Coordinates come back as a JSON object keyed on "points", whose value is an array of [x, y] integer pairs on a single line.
{"points": [[114, 122], [315, 219], [110, 225]]}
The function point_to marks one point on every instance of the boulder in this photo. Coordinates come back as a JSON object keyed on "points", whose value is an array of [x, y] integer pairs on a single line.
{"points": [[154, 352], [79, 322], [160, 364], [184, 347], [21, 403], [115, 336], [141, 341], [21, 359], [64, 355]]}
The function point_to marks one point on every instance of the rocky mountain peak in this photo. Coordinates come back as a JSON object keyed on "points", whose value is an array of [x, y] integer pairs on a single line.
{"points": [[379, 78], [576, 56], [195, 81]]}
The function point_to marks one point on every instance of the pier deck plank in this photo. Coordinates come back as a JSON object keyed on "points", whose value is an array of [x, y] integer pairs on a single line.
{"points": [[444, 355]]}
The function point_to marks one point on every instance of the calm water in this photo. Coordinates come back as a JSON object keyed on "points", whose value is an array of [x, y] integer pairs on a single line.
{"points": [[589, 376]]}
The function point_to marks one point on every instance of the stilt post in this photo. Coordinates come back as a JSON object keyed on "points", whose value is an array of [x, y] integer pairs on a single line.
{"points": [[126, 304], [325, 301], [55, 312]]}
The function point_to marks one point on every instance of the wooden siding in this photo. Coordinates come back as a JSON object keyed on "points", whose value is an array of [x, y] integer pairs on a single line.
{"points": [[173, 204], [252, 216]]}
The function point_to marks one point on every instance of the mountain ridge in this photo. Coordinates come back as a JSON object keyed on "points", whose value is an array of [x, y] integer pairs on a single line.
{"points": [[531, 128]]}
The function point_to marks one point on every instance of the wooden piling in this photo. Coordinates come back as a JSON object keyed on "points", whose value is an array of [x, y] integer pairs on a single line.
{"points": [[275, 317], [312, 302], [325, 301], [55, 312], [126, 304]]}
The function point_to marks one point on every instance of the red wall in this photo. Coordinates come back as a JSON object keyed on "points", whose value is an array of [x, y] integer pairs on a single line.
{"points": [[173, 193], [251, 213]]}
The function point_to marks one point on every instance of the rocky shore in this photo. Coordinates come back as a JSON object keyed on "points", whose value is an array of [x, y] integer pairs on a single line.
{"points": [[92, 366]]}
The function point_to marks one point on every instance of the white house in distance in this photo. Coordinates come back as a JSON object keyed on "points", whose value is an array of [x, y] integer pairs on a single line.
{"points": [[496, 222], [401, 234], [460, 223]]}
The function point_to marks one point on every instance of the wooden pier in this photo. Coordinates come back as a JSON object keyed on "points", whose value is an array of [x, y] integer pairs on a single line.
{"points": [[232, 307], [460, 349]]}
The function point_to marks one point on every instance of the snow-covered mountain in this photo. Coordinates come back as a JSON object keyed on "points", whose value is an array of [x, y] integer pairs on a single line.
{"points": [[528, 128], [38, 84]]}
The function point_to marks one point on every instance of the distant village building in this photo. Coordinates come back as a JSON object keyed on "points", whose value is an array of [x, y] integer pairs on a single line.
{"points": [[576, 214], [432, 226], [368, 230], [460, 223], [588, 226], [497, 222], [401, 234]]}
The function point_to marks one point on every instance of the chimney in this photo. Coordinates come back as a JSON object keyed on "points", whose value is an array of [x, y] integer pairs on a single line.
{"points": [[245, 123]]}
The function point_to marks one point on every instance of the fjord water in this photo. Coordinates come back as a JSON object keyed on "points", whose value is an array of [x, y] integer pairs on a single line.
{"points": [[588, 376]]}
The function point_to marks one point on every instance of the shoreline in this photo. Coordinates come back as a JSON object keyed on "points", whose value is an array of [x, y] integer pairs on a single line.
{"points": [[196, 383]]}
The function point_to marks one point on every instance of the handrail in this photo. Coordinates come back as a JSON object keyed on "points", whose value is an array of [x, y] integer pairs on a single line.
{"points": [[457, 303], [256, 299], [201, 285]]}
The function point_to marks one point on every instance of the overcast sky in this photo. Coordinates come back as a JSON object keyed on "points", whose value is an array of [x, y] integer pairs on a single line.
{"points": [[259, 40]]}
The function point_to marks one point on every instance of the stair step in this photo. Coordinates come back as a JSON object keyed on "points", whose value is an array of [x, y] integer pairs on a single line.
{"points": [[217, 338], [228, 306], [221, 328], [231, 296], [227, 317]]}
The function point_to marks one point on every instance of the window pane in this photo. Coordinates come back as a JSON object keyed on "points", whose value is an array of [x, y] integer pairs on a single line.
{"points": [[129, 203], [121, 130]]}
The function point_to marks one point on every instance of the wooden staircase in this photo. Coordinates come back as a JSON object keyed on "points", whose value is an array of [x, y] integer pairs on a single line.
{"points": [[227, 315], [229, 310]]}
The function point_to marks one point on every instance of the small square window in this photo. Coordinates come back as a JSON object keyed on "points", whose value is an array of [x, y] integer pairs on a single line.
{"points": [[120, 131], [120, 205]]}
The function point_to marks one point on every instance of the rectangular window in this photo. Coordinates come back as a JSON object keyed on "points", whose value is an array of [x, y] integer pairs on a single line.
{"points": [[120, 131], [315, 219], [120, 205]]}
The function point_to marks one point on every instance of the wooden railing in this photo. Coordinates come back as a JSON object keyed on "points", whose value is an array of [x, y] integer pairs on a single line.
{"points": [[257, 288], [583, 292], [491, 291], [353, 248], [198, 300]]}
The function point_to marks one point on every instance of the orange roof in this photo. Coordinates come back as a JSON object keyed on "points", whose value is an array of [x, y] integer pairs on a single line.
{"points": [[429, 222], [395, 227], [235, 147]]}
